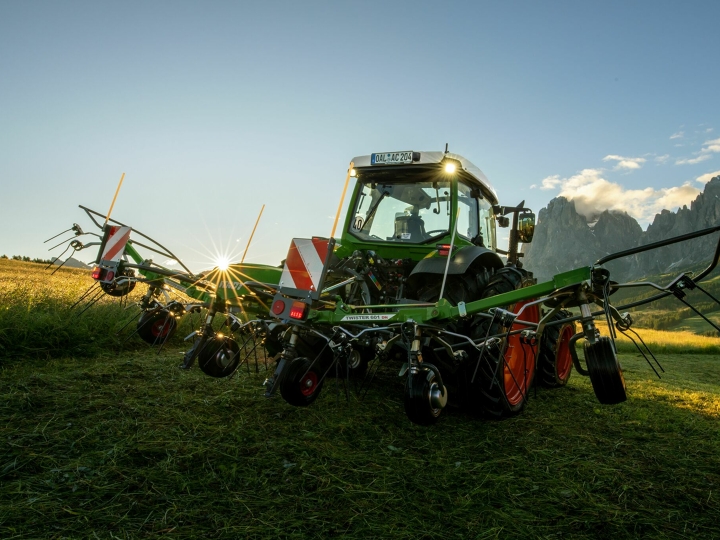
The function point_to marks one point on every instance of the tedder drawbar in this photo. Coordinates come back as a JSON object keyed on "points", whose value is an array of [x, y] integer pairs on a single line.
{"points": [[416, 276]]}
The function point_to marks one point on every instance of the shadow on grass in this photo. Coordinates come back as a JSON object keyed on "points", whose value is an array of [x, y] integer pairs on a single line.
{"points": [[130, 445]]}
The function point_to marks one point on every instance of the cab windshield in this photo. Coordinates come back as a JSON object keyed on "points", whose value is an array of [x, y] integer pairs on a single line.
{"points": [[402, 212]]}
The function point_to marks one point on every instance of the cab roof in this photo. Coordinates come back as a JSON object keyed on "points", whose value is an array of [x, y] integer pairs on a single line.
{"points": [[428, 158]]}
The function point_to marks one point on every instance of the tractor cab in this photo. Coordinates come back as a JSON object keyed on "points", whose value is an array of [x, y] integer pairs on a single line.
{"points": [[407, 204]]}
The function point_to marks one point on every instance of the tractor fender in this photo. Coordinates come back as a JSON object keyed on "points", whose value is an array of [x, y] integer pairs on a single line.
{"points": [[460, 262]]}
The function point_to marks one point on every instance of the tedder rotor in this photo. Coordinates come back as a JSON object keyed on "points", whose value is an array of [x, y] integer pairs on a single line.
{"points": [[416, 276]]}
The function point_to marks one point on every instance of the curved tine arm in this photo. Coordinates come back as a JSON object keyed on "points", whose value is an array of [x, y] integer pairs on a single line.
{"points": [[88, 211], [365, 330], [655, 245]]}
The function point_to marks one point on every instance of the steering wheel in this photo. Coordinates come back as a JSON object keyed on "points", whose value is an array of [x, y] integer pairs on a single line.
{"points": [[430, 233]]}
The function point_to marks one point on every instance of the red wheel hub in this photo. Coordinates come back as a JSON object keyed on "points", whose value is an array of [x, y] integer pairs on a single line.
{"points": [[308, 384], [161, 327], [563, 358], [519, 366]]}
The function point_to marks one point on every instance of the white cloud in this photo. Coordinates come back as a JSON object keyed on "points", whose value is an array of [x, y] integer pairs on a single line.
{"points": [[533, 186], [551, 182], [593, 194], [705, 178], [662, 159], [709, 130], [678, 135], [693, 161], [625, 163], [705, 153]]}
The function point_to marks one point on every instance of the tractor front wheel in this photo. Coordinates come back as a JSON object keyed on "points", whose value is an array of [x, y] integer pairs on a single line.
{"points": [[301, 383]]}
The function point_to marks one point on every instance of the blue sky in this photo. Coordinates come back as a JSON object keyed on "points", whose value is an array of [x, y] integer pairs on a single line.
{"points": [[214, 108]]}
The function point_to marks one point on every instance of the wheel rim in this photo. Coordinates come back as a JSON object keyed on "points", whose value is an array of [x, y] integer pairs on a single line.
{"points": [[563, 357], [308, 384], [519, 365], [161, 328]]}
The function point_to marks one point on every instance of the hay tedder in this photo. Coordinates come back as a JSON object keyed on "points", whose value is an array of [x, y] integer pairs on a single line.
{"points": [[416, 276]]}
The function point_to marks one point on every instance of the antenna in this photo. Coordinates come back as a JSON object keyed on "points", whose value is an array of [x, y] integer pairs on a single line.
{"points": [[252, 234], [446, 148]]}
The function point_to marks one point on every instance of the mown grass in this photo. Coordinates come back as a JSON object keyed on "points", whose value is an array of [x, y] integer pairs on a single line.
{"points": [[128, 446], [36, 319]]}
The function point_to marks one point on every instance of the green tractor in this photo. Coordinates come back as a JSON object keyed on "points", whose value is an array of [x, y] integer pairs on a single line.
{"points": [[420, 229]]}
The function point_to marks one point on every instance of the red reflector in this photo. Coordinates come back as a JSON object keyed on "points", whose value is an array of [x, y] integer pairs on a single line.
{"points": [[109, 276], [443, 250], [297, 311], [278, 307], [97, 272]]}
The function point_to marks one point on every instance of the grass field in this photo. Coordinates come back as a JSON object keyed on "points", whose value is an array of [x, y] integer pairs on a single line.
{"points": [[103, 438], [129, 446]]}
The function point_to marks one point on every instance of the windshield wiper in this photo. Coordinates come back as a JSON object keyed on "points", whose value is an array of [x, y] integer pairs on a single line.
{"points": [[372, 210]]}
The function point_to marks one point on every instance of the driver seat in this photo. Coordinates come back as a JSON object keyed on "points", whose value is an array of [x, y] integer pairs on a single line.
{"points": [[409, 228]]}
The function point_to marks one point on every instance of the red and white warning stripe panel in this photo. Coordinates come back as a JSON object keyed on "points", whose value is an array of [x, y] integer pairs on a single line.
{"points": [[115, 245], [304, 264]]}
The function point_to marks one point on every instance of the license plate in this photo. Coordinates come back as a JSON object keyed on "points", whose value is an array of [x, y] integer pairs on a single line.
{"points": [[391, 158]]}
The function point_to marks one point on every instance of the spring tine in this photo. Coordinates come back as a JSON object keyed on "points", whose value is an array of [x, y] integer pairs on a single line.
{"points": [[82, 297], [56, 259], [91, 303], [707, 293], [716, 327], [131, 319], [641, 352], [58, 234], [648, 349], [60, 244]]}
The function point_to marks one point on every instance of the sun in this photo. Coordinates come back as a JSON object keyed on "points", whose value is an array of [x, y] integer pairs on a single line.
{"points": [[222, 263]]}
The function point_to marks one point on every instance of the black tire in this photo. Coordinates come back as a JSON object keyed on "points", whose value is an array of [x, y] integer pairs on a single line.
{"points": [[301, 383], [458, 288], [418, 401], [359, 359], [554, 363], [156, 327], [606, 373], [500, 378], [219, 357], [113, 289]]}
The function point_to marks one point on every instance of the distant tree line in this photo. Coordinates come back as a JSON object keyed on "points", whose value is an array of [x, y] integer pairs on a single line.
{"points": [[27, 259]]}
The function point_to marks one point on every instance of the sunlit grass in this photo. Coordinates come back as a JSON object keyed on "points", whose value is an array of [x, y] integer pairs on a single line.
{"points": [[666, 342]]}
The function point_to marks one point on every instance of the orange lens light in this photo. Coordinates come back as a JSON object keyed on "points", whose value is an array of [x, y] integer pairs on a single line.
{"points": [[443, 250], [96, 272]]}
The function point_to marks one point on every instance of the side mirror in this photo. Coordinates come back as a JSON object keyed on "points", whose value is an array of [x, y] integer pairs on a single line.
{"points": [[526, 227]]}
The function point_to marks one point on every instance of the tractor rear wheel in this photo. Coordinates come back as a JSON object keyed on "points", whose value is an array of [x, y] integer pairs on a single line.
{"points": [[554, 358], [500, 381], [301, 383], [156, 327]]}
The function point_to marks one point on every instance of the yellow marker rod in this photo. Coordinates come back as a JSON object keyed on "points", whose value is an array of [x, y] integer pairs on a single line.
{"points": [[113, 201], [337, 216], [252, 234]]}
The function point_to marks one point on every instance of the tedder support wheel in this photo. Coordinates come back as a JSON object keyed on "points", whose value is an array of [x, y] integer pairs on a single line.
{"points": [[606, 374], [424, 397], [219, 356], [505, 371], [554, 364], [357, 363], [156, 328], [301, 383]]}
